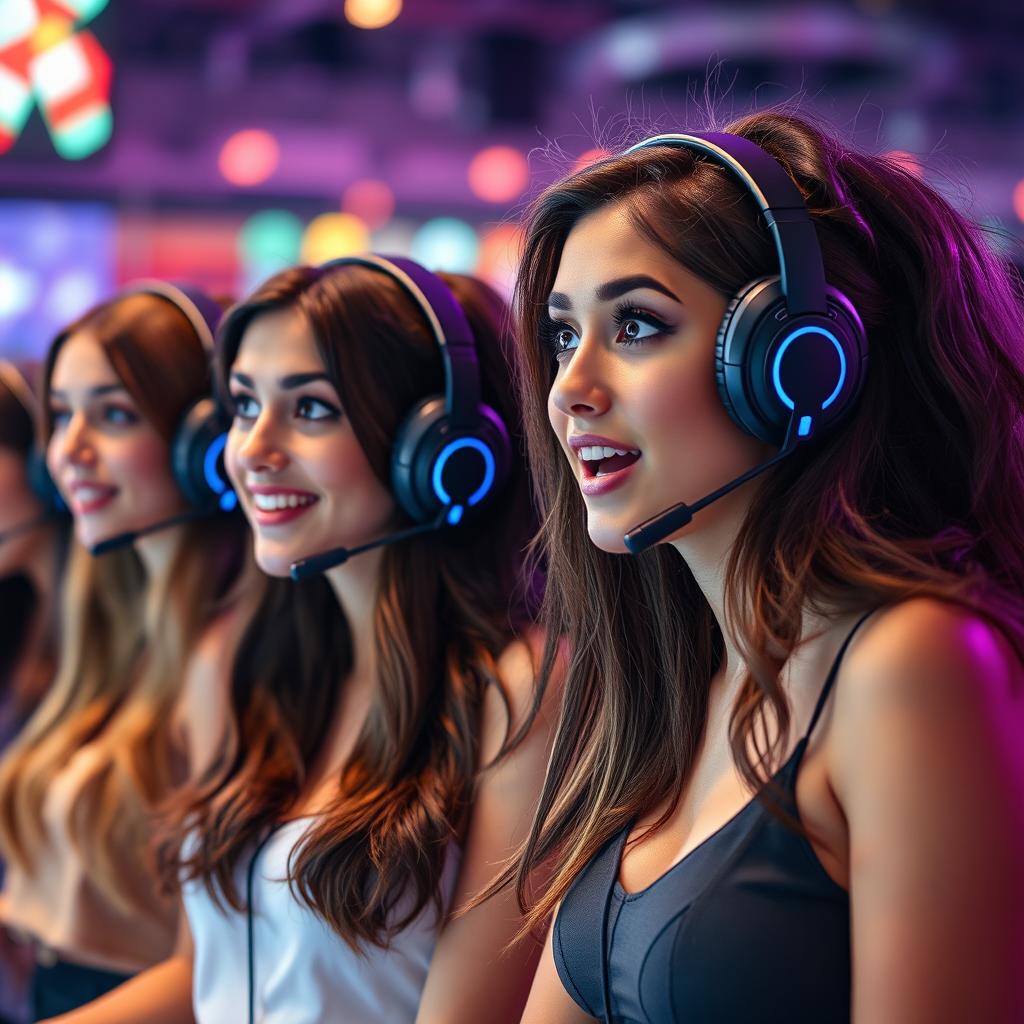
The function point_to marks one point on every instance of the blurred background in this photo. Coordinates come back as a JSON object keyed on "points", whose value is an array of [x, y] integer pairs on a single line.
{"points": [[219, 140]]}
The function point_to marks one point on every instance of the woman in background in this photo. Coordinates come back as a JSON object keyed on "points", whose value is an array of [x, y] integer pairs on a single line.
{"points": [[367, 781], [32, 545], [139, 625]]}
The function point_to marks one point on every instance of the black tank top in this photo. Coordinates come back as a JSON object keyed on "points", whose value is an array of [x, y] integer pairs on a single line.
{"points": [[746, 927]]}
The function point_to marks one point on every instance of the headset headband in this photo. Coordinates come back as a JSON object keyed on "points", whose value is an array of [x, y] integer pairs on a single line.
{"points": [[19, 387], [448, 324], [801, 271], [199, 309]]}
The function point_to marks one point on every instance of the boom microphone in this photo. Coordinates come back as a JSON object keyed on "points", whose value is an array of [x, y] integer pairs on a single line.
{"points": [[316, 564], [658, 527], [120, 540]]}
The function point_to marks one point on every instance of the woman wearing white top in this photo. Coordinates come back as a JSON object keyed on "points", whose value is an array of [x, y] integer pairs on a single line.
{"points": [[353, 817]]}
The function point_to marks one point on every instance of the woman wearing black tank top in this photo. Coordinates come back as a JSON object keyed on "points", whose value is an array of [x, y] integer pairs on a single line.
{"points": [[787, 783]]}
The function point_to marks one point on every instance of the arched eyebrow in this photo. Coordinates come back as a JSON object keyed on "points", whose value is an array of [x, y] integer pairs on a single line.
{"points": [[294, 380], [613, 289], [101, 389]]}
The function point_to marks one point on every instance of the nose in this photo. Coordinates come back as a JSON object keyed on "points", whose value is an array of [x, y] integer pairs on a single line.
{"points": [[72, 446], [580, 389], [257, 449]]}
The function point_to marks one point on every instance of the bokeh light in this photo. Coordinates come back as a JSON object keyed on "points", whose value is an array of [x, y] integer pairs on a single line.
{"points": [[500, 248], [370, 200], [249, 157], [332, 235], [18, 289], [372, 13], [72, 294], [498, 174], [910, 163], [1018, 200], [591, 156], [270, 240], [446, 243]]}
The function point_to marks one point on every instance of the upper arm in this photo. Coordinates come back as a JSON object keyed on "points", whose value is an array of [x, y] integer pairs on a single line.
{"points": [[549, 1003], [928, 768], [203, 711], [475, 974]]}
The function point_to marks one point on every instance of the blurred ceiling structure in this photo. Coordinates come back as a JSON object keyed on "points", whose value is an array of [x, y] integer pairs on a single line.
{"points": [[413, 102]]}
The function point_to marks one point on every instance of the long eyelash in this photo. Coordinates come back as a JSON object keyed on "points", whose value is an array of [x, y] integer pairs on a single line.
{"points": [[548, 330], [627, 311]]}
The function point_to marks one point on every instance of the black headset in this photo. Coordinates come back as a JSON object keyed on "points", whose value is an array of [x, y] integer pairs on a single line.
{"points": [[791, 352], [451, 451], [790, 347], [39, 479], [197, 449]]}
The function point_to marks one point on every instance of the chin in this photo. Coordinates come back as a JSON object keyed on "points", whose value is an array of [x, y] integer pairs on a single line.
{"points": [[608, 537], [275, 562]]}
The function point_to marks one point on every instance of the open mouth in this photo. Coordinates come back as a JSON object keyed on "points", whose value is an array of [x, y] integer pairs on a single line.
{"points": [[599, 460]]}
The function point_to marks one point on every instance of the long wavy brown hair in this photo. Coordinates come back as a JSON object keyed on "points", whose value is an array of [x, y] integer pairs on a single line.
{"points": [[126, 640], [917, 493], [19, 602], [447, 605]]}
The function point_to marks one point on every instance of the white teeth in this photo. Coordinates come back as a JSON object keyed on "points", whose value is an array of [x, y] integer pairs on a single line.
{"points": [[88, 494], [275, 502], [594, 453]]}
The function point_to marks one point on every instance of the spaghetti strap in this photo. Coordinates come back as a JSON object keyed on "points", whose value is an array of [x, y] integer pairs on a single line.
{"points": [[833, 672]]}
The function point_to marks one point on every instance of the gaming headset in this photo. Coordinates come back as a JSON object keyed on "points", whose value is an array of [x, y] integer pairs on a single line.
{"points": [[197, 448], [791, 352], [451, 452]]}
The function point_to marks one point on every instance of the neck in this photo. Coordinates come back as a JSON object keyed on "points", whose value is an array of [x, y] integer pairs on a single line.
{"points": [[355, 584], [158, 550]]}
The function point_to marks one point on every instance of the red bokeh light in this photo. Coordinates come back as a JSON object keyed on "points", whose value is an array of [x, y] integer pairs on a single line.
{"points": [[249, 157]]}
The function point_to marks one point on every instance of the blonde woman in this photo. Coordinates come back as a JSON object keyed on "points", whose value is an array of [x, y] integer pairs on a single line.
{"points": [[154, 616]]}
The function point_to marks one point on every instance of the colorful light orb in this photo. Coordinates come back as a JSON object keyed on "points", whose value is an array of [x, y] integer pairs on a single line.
{"points": [[907, 161], [270, 240], [332, 235], [72, 294], [372, 13], [18, 290], [446, 243], [249, 157], [500, 250], [591, 156], [370, 200], [498, 174], [1018, 200]]}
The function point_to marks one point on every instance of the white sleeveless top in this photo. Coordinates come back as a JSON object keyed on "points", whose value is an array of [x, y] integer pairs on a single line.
{"points": [[304, 973]]}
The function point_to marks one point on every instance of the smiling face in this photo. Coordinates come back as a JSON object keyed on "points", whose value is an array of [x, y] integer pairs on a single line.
{"points": [[634, 403], [112, 466], [302, 476]]}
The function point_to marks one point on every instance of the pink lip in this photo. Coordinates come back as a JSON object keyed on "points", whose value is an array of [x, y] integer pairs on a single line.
{"points": [[279, 516], [577, 441], [595, 485]]}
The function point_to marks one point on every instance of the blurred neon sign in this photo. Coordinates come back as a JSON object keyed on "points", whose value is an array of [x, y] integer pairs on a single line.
{"points": [[47, 58]]}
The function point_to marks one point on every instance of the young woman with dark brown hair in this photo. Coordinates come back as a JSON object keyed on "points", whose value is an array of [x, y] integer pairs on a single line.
{"points": [[787, 781], [336, 826], [138, 626]]}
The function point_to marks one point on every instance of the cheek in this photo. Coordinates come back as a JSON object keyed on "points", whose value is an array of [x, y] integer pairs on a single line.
{"points": [[142, 465]]}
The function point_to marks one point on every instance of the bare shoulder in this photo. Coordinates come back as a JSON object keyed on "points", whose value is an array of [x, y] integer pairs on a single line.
{"points": [[509, 704], [936, 671]]}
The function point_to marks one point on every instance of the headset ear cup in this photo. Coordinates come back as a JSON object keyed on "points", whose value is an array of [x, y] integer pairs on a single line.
{"points": [[197, 457], [41, 483], [424, 444], [749, 318]]}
